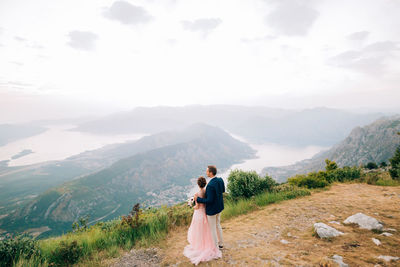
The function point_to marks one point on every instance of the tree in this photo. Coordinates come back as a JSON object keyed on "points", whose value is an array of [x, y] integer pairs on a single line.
{"points": [[395, 165], [383, 164], [330, 165]]}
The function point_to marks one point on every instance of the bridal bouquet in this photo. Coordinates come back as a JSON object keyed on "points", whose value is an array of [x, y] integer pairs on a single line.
{"points": [[191, 202]]}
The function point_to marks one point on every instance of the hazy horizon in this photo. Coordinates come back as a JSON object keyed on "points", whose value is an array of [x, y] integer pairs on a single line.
{"points": [[70, 59]]}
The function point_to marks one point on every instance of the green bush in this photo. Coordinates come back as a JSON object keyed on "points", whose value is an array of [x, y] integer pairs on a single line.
{"points": [[323, 178], [371, 166], [285, 187], [371, 177], [383, 182], [311, 180], [395, 165], [14, 249], [66, 253], [343, 174], [242, 184]]}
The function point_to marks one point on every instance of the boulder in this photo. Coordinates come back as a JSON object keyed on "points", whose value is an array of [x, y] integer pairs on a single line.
{"points": [[386, 234], [364, 221], [325, 231], [339, 260], [376, 241], [388, 258]]}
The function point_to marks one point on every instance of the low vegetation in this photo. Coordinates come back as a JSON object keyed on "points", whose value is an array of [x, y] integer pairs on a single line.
{"points": [[247, 192]]}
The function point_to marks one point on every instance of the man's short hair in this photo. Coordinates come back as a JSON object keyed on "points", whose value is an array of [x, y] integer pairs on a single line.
{"points": [[212, 169]]}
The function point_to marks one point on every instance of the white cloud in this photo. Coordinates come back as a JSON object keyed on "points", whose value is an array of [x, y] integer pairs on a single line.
{"points": [[205, 26], [126, 13], [362, 35], [292, 18], [371, 59], [154, 53], [82, 40]]}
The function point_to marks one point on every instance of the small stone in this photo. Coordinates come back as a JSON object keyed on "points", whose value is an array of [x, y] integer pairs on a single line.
{"points": [[388, 258], [376, 241], [364, 221], [390, 229], [283, 241], [335, 222], [339, 260], [386, 234], [325, 231]]}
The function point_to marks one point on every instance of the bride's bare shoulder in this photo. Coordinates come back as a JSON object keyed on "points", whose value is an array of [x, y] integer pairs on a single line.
{"points": [[203, 192]]}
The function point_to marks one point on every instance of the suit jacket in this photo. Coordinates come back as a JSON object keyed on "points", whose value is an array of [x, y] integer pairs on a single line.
{"points": [[214, 200]]}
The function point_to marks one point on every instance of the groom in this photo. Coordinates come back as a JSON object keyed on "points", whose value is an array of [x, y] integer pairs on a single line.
{"points": [[214, 204]]}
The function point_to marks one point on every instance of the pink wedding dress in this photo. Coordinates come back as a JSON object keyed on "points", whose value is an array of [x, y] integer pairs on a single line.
{"points": [[201, 245]]}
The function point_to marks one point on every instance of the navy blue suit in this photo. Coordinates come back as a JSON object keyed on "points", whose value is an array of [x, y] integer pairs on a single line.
{"points": [[214, 200]]}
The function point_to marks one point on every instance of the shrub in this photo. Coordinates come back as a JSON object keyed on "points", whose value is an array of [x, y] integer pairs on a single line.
{"points": [[371, 177], [20, 247], [247, 184], [371, 166], [285, 187], [311, 180], [133, 218], [383, 164], [80, 225], [395, 165], [66, 253], [383, 182]]}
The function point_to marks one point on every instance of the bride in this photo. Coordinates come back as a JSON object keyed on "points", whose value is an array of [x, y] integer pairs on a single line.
{"points": [[201, 245]]}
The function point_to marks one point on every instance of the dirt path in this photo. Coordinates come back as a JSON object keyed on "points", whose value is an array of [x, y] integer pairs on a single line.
{"points": [[255, 239]]}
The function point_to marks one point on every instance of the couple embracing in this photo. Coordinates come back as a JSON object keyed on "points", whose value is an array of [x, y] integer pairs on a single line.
{"points": [[205, 231]]}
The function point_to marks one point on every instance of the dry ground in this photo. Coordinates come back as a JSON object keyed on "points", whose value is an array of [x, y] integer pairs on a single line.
{"points": [[255, 239]]}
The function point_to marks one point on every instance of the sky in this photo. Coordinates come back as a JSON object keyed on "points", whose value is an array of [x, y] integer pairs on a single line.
{"points": [[94, 57]]}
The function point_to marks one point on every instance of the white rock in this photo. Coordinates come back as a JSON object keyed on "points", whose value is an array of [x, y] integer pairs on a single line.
{"points": [[325, 231], [335, 222], [390, 229], [376, 241], [364, 221], [283, 241], [339, 260], [386, 234], [388, 258]]}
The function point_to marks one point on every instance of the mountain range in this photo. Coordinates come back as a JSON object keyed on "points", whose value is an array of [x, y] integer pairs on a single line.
{"points": [[375, 142], [317, 126], [160, 172]]}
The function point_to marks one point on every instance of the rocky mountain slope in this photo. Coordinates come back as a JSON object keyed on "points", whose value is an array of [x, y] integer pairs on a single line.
{"points": [[375, 142], [153, 177]]}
